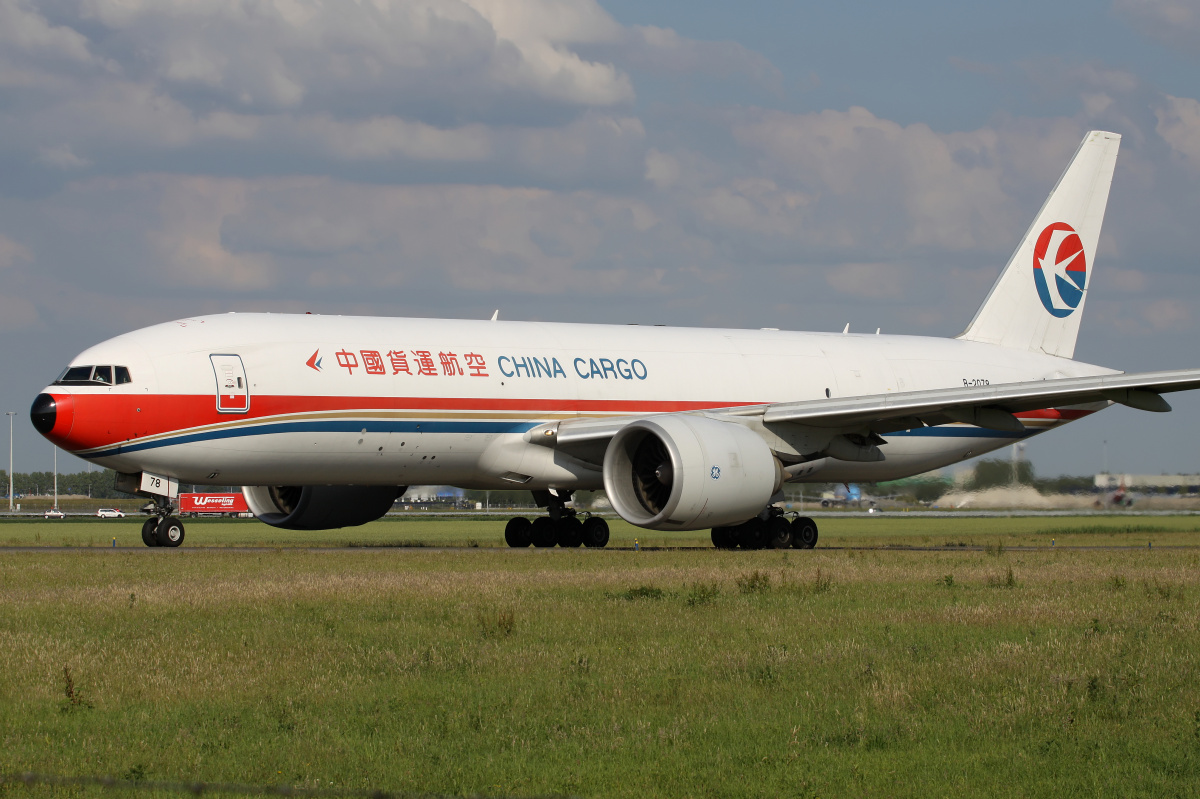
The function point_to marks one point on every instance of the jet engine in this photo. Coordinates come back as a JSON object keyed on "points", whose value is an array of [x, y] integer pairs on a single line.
{"points": [[684, 472], [320, 507]]}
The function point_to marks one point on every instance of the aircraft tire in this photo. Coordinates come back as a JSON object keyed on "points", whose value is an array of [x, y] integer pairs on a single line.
{"points": [[724, 538], [149, 532], [517, 532], [543, 533], [170, 532], [570, 532], [595, 532], [751, 534], [778, 532], [804, 533]]}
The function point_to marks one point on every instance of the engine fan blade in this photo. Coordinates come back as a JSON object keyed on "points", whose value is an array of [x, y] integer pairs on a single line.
{"points": [[653, 474]]}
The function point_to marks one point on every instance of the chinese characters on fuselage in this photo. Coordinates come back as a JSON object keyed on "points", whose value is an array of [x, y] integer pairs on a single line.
{"points": [[421, 363]]}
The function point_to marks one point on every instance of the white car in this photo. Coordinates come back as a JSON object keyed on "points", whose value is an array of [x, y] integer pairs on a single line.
{"points": [[110, 513], [55, 513]]}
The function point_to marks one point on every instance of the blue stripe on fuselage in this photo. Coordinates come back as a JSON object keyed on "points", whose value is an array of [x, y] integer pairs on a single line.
{"points": [[481, 427], [323, 426]]}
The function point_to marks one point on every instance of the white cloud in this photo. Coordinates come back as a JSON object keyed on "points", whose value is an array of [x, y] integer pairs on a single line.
{"points": [[189, 242], [12, 251], [1175, 22], [852, 181], [282, 56], [24, 30], [1179, 126], [887, 280], [61, 156]]}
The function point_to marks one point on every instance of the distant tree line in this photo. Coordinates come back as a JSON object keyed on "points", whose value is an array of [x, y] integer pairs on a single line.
{"points": [[98, 484]]}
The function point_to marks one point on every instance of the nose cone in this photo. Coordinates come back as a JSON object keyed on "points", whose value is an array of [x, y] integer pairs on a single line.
{"points": [[53, 415], [43, 413]]}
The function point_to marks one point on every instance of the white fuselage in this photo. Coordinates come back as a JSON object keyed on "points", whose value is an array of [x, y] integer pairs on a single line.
{"points": [[329, 400]]}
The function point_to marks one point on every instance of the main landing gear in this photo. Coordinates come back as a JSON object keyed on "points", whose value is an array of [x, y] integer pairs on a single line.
{"points": [[774, 532], [561, 526], [162, 529]]}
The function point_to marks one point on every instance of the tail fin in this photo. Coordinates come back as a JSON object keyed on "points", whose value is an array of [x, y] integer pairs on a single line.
{"points": [[1037, 302]]}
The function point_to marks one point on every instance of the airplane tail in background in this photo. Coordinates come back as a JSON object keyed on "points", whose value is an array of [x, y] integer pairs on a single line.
{"points": [[1037, 302]]}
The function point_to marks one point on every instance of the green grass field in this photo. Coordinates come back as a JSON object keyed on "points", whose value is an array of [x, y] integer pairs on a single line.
{"points": [[610, 673]]}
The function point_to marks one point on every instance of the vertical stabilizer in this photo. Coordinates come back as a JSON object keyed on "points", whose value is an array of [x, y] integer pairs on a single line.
{"points": [[1037, 302]]}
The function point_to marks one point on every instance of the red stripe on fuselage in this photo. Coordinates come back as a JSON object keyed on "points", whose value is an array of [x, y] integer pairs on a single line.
{"points": [[106, 419], [100, 420]]}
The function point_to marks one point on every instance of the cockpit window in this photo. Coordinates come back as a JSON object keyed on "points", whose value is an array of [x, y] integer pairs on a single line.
{"points": [[93, 376], [75, 375]]}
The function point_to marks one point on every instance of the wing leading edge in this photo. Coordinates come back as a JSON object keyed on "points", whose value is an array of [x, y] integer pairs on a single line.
{"points": [[992, 407]]}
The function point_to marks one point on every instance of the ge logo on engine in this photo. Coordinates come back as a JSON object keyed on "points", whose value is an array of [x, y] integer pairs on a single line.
{"points": [[716, 472]]}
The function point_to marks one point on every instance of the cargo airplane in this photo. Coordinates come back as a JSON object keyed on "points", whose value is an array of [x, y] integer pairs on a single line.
{"points": [[325, 419]]}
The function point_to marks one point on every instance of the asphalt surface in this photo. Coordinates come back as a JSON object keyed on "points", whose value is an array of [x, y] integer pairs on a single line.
{"points": [[550, 550]]}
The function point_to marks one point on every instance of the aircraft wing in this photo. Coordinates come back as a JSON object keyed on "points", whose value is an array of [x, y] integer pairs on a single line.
{"points": [[986, 406], [992, 407]]}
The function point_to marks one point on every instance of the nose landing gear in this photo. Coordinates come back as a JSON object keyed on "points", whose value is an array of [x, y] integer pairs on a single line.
{"points": [[162, 529]]}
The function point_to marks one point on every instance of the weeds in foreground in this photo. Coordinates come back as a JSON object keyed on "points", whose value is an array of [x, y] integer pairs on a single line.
{"points": [[947, 581], [496, 623], [1115, 583], [756, 582], [821, 583], [995, 550], [641, 592], [702, 594], [1007, 581], [1162, 590], [74, 701]]}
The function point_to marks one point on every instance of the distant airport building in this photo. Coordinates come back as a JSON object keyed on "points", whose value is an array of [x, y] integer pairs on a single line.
{"points": [[1151, 483]]}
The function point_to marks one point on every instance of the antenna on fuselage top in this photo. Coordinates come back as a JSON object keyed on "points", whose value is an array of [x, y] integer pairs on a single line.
{"points": [[495, 315], [846, 329]]}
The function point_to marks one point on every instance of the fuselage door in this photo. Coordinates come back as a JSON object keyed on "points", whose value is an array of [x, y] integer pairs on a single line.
{"points": [[233, 391]]}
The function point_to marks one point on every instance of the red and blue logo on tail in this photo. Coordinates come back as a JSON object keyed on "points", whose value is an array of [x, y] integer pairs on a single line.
{"points": [[1060, 269]]}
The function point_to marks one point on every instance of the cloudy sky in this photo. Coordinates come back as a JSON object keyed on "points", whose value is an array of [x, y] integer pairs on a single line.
{"points": [[764, 164]]}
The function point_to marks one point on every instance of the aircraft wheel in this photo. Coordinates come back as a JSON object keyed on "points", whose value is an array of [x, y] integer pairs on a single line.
{"points": [[723, 538], [517, 532], [149, 530], [595, 532], [804, 533], [543, 532], [570, 532], [170, 532], [778, 532], [751, 534]]}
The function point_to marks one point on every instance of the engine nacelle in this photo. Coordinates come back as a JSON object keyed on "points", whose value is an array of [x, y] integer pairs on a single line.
{"points": [[320, 507], [685, 472]]}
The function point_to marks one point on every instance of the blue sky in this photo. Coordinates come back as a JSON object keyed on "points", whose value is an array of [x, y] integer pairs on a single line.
{"points": [[761, 165]]}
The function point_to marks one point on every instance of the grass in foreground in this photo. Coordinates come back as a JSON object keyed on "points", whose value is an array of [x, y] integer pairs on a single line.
{"points": [[696, 673]]}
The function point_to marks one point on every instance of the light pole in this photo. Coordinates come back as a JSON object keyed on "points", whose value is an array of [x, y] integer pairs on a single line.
{"points": [[10, 415], [56, 478]]}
